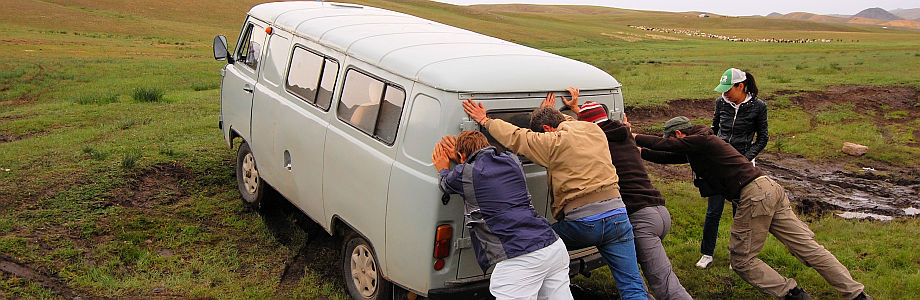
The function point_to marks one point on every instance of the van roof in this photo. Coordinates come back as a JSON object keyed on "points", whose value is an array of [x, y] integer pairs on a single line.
{"points": [[438, 55]]}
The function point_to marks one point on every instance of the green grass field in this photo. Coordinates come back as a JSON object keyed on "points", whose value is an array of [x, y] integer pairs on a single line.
{"points": [[97, 97]]}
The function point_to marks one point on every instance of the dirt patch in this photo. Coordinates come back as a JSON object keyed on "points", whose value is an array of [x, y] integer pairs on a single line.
{"points": [[6, 138], [866, 98], [874, 188], [649, 119], [157, 185], [16, 268]]}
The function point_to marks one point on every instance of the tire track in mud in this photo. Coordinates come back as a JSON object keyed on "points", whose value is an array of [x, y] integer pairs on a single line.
{"points": [[16, 268], [316, 254]]}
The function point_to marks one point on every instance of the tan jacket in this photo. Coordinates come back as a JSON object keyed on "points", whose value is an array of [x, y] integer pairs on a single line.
{"points": [[576, 158]]}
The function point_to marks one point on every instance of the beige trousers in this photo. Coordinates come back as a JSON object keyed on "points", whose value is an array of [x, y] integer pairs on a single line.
{"points": [[764, 208]]}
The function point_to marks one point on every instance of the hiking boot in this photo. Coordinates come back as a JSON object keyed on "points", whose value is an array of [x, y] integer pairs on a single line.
{"points": [[797, 293], [704, 261], [863, 296]]}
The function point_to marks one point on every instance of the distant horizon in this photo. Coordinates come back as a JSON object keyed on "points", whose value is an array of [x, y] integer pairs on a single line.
{"points": [[822, 7]]}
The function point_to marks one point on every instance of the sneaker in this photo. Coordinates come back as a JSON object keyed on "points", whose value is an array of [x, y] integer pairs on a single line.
{"points": [[863, 296], [797, 293], [704, 261]]}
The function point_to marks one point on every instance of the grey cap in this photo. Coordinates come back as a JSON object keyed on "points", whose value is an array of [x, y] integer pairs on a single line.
{"points": [[676, 123]]}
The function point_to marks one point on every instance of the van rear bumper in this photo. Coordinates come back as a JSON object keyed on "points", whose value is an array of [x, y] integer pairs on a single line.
{"points": [[582, 262]]}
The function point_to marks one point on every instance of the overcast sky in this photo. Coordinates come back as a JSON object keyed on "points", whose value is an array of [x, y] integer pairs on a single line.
{"points": [[731, 8]]}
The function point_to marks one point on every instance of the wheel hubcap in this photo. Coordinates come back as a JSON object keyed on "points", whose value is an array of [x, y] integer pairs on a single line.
{"points": [[250, 174], [364, 270]]}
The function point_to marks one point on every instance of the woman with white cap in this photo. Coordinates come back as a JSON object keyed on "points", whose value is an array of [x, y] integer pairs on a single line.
{"points": [[739, 116]]}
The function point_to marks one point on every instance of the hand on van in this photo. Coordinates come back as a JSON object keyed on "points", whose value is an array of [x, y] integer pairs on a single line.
{"points": [[440, 157], [573, 103], [550, 100], [476, 111], [450, 144]]}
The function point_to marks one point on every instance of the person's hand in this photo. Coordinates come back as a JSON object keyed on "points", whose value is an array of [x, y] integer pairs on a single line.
{"points": [[475, 110], [573, 102], [439, 158], [640, 149], [450, 144], [550, 100], [626, 121], [635, 134]]}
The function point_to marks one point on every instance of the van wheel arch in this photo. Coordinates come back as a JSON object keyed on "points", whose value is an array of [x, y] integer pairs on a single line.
{"points": [[233, 136], [352, 239]]}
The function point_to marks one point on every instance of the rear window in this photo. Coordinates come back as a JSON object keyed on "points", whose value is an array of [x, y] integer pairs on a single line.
{"points": [[520, 118]]}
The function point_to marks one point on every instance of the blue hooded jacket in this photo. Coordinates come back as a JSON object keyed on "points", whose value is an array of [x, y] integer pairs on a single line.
{"points": [[498, 211]]}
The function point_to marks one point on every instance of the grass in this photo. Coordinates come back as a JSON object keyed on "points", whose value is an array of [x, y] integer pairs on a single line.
{"points": [[65, 85], [148, 94]]}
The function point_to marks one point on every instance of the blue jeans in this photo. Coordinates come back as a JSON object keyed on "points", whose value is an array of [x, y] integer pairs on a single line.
{"points": [[613, 237], [711, 225]]}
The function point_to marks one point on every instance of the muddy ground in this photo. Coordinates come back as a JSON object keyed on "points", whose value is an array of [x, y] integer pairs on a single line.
{"points": [[851, 185]]}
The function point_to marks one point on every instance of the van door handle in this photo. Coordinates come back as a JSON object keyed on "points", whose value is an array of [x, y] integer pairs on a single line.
{"points": [[247, 88]]}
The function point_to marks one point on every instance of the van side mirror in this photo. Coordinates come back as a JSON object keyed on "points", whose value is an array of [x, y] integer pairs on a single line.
{"points": [[220, 49]]}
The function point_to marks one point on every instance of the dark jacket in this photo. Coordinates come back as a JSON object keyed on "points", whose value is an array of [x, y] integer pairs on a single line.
{"points": [[635, 187], [498, 213], [738, 127], [721, 169]]}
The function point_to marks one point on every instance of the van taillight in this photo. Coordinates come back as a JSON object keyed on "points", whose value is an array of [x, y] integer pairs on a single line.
{"points": [[442, 241]]}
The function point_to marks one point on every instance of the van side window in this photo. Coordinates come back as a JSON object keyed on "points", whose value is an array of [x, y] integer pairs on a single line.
{"points": [[251, 48], [361, 106], [312, 77]]}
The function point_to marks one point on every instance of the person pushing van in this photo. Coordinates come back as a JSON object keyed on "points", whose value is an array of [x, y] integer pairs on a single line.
{"points": [[651, 220], [763, 207], [586, 196], [531, 262]]}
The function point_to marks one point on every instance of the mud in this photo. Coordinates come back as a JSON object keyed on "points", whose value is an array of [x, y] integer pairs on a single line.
{"points": [[16, 268], [871, 189], [318, 254], [872, 192], [160, 184]]}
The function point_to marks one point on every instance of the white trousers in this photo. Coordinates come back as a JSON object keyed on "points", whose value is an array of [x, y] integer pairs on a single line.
{"points": [[542, 274]]}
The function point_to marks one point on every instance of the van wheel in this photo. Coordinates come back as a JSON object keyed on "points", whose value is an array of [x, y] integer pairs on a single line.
{"points": [[363, 278], [252, 188]]}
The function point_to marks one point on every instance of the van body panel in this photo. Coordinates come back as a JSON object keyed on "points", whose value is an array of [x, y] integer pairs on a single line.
{"points": [[357, 167], [267, 105], [236, 103]]}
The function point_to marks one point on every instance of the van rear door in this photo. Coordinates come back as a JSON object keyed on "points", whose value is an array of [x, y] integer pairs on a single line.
{"points": [[516, 109]]}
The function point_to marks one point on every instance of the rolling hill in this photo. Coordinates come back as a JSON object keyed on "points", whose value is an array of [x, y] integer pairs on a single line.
{"points": [[876, 13]]}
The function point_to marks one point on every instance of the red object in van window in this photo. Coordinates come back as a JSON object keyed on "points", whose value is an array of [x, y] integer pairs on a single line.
{"points": [[442, 241]]}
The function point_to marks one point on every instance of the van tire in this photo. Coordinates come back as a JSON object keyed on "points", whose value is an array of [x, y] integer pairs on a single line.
{"points": [[253, 189], [360, 267]]}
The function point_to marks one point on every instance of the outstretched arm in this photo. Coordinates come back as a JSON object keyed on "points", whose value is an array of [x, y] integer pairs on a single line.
{"points": [[538, 147]]}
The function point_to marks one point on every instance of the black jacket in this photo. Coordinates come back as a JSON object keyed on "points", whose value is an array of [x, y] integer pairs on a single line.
{"points": [[738, 128], [721, 168], [635, 187]]}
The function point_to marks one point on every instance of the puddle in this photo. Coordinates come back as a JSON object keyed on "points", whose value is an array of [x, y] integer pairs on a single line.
{"points": [[910, 211], [863, 216]]}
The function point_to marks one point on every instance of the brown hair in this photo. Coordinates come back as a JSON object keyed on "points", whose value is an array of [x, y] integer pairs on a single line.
{"points": [[545, 116], [471, 141]]}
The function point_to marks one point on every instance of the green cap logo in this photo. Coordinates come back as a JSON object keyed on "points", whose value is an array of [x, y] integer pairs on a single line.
{"points": [[729, 78]]}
